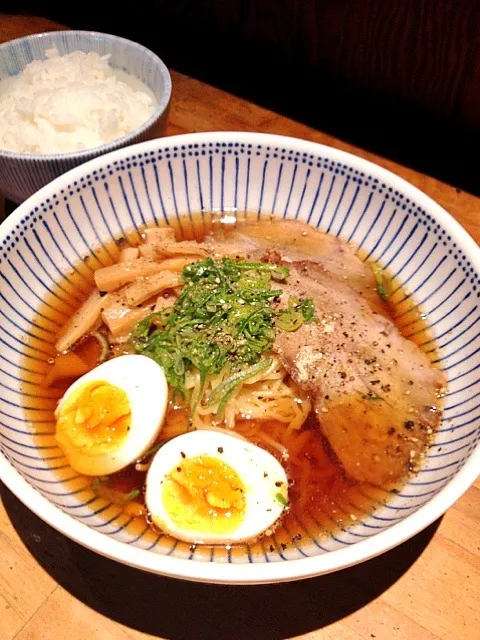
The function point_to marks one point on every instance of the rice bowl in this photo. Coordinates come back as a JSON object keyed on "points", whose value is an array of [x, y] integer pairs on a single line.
{"points": [[22, 174]]}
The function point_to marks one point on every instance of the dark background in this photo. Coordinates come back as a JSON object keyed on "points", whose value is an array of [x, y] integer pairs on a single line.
{"points": [[401, 79]]}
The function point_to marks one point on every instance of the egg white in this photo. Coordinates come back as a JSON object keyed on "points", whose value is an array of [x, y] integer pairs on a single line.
{"points": [[262, 475], [145, 385]]}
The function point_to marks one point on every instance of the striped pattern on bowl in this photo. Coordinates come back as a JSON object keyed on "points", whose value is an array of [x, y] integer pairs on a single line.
{"points": [[161, 181]]}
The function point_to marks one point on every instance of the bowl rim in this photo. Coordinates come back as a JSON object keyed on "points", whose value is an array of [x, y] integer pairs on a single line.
{"points": [[105, 147], [254, 573]]}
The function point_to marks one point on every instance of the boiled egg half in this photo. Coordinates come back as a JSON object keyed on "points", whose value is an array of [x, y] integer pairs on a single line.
{"points": [[111, 415], [210, 487]]}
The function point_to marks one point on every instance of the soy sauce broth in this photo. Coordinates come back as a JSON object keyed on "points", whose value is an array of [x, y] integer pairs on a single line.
{"points": [[323, 500]]}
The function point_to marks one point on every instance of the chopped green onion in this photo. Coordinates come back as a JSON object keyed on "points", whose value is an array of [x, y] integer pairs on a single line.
{"points": [[102, 341], [228, 386], [279, 497], [133, 494], [308, 309], [154, 449], [298, 312], [102, 490], [97, 482], [371, 396], [290, 320], [276, 271], [383, 284], [223, 318]]}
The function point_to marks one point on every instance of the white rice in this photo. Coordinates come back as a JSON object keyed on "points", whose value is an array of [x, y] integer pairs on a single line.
{"points": [[69, 103]]}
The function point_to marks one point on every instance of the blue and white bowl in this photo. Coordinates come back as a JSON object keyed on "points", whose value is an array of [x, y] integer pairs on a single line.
{"points": [[22, 174], [159, 181]]}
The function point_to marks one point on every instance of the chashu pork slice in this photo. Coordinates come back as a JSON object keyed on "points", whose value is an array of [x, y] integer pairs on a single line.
{"points": [[375, 392], [293, 240]]}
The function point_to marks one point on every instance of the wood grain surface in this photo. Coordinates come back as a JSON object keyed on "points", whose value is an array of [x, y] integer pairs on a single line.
{"points": [[398, 77], [420, 52], [426, 589]]}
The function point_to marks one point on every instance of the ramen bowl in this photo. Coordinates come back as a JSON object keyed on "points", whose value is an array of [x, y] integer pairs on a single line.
{"points": [[22, 174], [185, 178]]}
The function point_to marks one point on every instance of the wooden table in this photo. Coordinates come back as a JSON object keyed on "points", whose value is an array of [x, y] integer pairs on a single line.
{"points": [[428, 588]]}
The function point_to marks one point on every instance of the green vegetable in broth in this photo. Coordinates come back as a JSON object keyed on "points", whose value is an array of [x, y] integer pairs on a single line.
{"points": [[223, 318], [133, 494], [383, 282], [223, 391], [280, 498], [101, 488], [298, 312]]}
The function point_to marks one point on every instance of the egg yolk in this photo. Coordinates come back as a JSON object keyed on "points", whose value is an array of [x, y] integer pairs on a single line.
{"points": [[204, 494], [95, 418]]}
